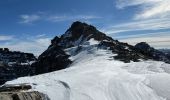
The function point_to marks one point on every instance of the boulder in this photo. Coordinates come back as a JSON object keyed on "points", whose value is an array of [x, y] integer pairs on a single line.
{"points": [[33, 95], [20, 92]]}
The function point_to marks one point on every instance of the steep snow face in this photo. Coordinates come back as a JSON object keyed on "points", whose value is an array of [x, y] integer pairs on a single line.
{"points": [[94, 75]]}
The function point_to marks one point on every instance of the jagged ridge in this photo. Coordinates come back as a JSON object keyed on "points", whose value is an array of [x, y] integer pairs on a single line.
{"points": [[55, 58], [79, 33], [14, 64]]}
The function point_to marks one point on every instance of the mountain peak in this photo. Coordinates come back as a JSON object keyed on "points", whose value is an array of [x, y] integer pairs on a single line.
{"points": [[81, 25], [80, 37], [79, 29], [143, 45], [78, 34]]}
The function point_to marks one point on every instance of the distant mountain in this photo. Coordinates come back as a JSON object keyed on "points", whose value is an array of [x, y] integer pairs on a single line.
{"points": [[155, 54], [14, 64], [79, 34], [166, 51]]}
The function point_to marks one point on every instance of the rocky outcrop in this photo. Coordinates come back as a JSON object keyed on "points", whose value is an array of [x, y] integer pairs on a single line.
{"points": [[15, 57], [20, 92], [141, 51], [14, 64], [34, 95], [54, 58], [79, 33], [14, 87], [124, 51], [152, 53], [166, 52]]}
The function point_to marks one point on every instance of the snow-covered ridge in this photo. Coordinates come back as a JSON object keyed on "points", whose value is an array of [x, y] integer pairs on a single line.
{"points": [[56, 58], [94, 75], [91, 67]]}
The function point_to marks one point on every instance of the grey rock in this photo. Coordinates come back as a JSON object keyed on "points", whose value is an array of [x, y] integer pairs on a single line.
{"points": [[20, 92], [23, 95]]}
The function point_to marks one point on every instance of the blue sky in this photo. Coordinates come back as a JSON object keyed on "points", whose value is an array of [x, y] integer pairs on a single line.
{"points": [[29, 25]]}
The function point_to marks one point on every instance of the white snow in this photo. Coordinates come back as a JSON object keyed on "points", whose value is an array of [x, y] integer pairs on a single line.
{"points": [[93, 42], [95, 76]]}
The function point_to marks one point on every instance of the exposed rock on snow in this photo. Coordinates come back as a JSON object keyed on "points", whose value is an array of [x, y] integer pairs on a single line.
{"points": [[33, 95], [152, 53], [54, 58], [14, 64], [18, 92]]}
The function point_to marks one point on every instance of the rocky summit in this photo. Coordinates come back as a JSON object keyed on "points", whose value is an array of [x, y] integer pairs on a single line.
{"points": [[56, 58], [78, 34]]}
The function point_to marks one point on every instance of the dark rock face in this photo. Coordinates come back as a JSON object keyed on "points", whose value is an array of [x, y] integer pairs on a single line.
{"points": [[152, 53], [14, 64], [143, 46], [15, 56], [166, 52], [54, 58], [79, 33], [15, 87], [127, 53]]}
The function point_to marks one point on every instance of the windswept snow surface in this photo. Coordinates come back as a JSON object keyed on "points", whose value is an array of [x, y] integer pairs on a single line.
{"points": [[94, 75]]}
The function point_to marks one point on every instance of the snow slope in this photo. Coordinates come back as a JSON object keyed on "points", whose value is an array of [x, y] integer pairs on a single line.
{"points": [[94, 75]]}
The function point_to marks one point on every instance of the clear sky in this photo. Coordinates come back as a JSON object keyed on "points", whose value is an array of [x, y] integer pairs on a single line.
{"points": [[29, 25]]}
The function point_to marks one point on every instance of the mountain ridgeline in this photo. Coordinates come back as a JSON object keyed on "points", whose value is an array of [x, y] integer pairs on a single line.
{"points": [[18, 64], [86, 51], [56, 57], [14, 64]]}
